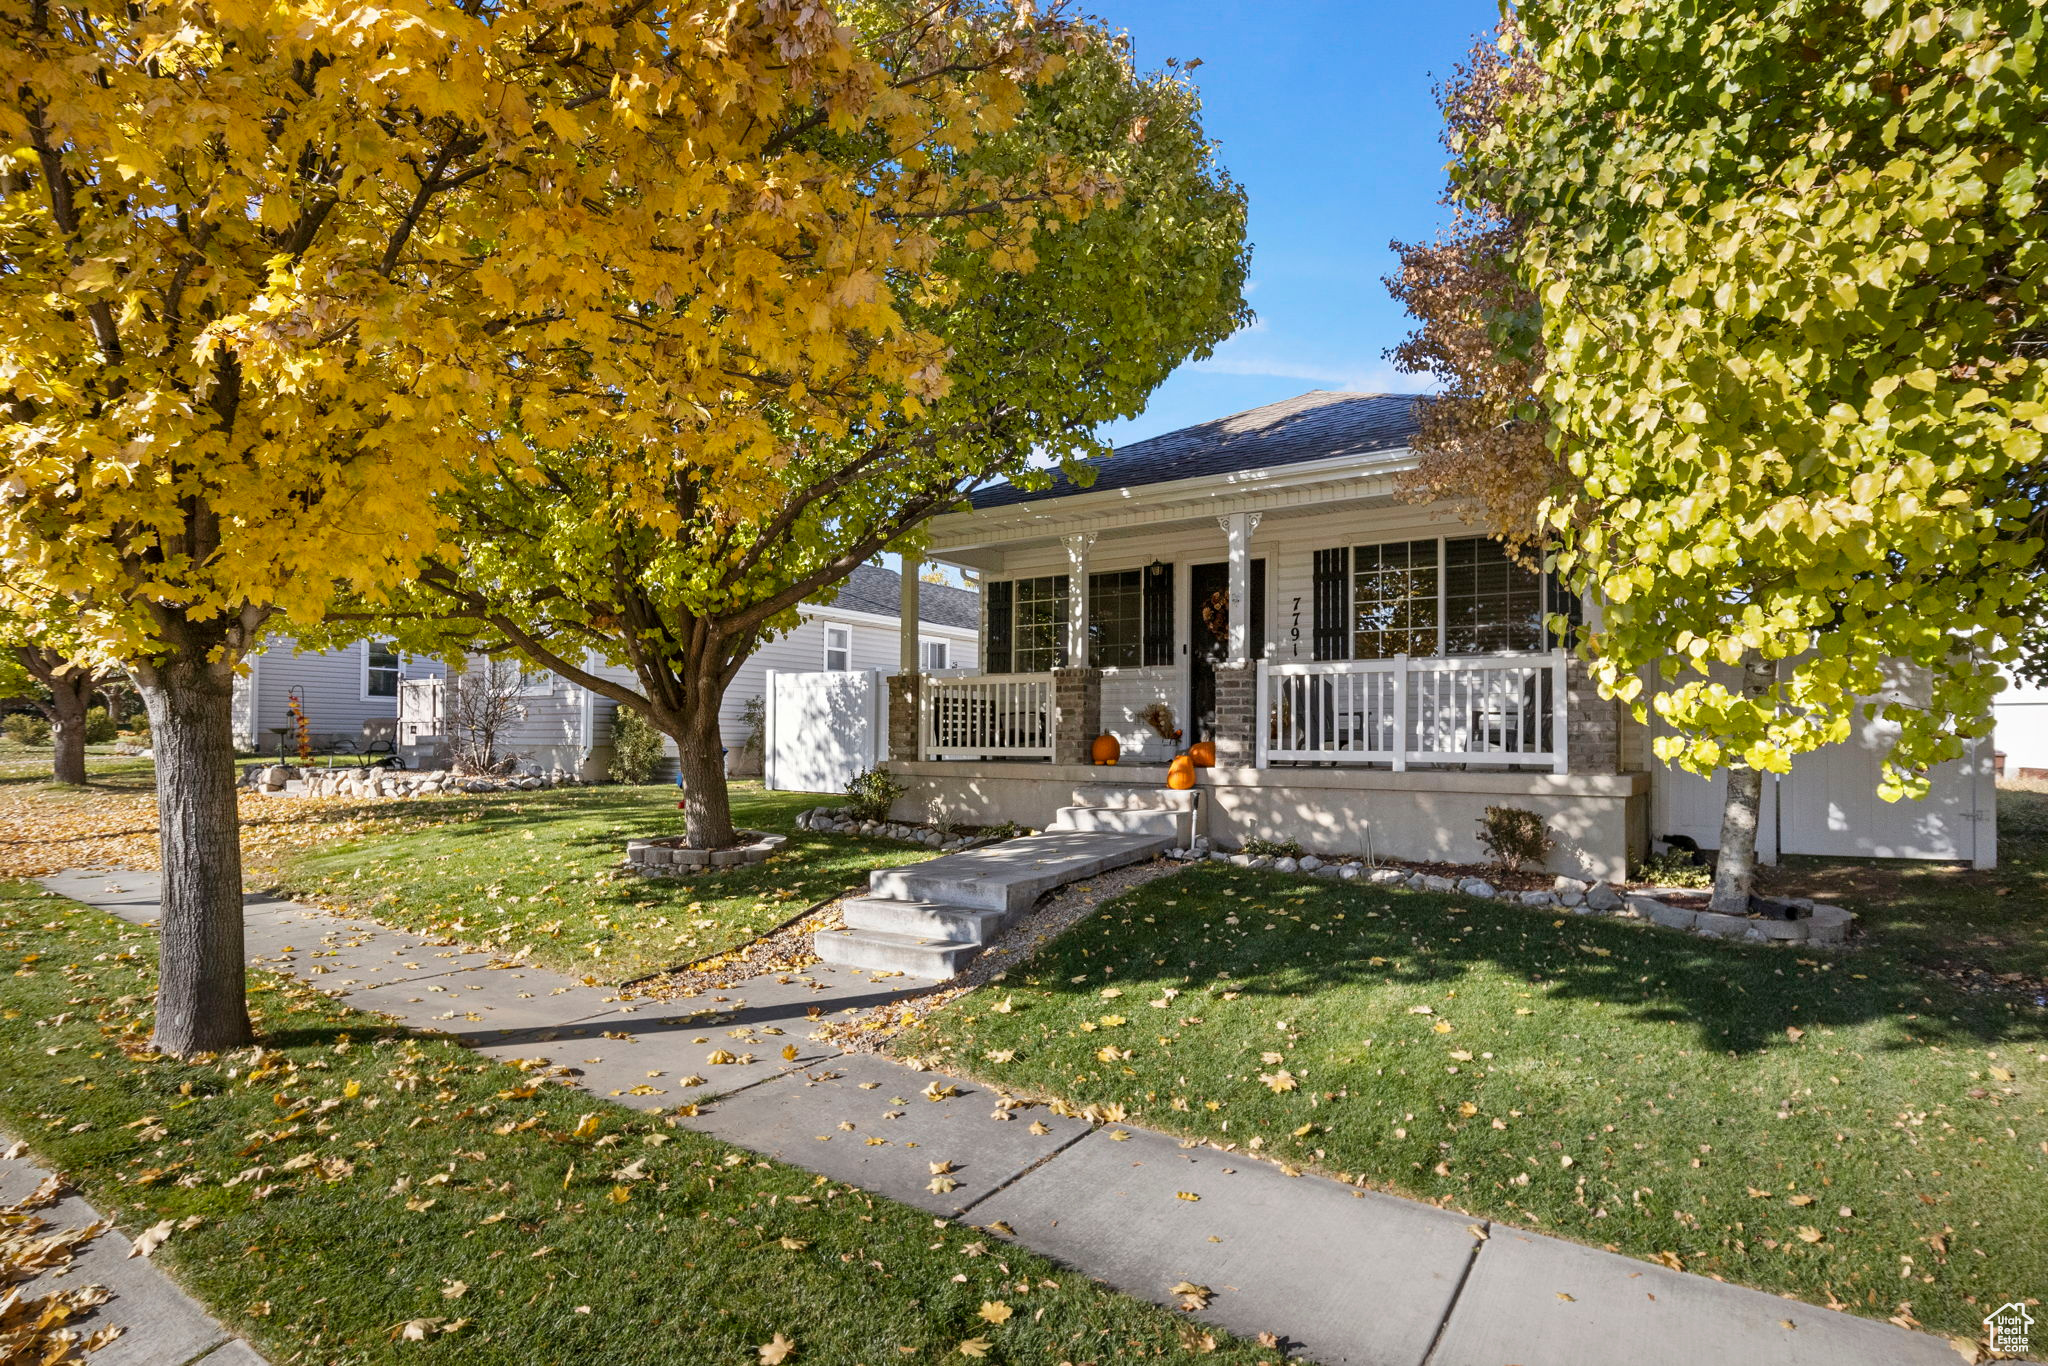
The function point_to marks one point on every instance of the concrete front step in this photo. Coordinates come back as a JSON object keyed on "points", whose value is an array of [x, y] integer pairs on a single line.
{"points": [[1128, 820], [883, 951], [1009, 876], [931, 920]]}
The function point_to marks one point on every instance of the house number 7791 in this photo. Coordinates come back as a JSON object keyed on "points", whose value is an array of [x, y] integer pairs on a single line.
{"points": [[1294, 633]]}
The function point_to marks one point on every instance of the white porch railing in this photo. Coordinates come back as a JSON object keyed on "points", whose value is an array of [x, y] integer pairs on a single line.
{"points": [[986, 716], [1495, 709]]}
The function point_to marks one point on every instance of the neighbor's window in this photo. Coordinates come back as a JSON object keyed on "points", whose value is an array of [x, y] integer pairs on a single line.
{"points": [[1116, 619], [1394, 599], [380, 669], [838, 649], [1040, 637], [534, 681], [933, 653]]}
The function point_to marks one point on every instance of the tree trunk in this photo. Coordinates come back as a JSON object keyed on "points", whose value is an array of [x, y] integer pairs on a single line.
{"points": [[707, 808], [201, 1003], [1735, 866], [68, 693]]}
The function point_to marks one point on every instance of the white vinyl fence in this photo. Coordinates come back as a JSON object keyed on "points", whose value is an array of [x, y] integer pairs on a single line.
{"points": [[823, 728]]}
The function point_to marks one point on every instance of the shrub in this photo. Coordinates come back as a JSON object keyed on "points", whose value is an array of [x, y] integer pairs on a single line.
{"points": [[1674, 868], [99, 727], [870, 795], [1515, 836], [636, 747], [1259, 848], [24, 729]]}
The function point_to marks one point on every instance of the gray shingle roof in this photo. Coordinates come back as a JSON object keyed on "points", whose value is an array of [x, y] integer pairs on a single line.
{"points": [[1312, 426], [871, 588]]}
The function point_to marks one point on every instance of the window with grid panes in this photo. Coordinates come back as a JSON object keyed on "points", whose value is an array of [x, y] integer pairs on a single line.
{"points": [[1491, 604], [1116, 619], [1039, 638], [1394, 599]]}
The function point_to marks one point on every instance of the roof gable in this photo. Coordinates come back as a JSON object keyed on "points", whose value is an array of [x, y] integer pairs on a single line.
{"points": [[879, 592]]}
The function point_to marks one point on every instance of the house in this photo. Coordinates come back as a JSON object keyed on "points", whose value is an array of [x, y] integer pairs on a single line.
{"points": [[1373, 674], [567, 728], [338, 690], [2020, 733]]}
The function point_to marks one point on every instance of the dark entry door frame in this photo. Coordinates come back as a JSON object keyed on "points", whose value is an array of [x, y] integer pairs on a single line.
{"points": [[1209, 637]]}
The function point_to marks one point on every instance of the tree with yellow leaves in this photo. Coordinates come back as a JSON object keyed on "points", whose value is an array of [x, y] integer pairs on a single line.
{"points": [[1074, 254], [280, 273]]}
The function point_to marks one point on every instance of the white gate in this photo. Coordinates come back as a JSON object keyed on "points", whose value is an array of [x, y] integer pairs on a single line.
{"points": [[823, 728]]}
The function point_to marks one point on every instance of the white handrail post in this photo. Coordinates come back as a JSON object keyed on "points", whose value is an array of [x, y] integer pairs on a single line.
{"points": [[927, 739], [1400, 713], [1260, 720], [1560, 717]]}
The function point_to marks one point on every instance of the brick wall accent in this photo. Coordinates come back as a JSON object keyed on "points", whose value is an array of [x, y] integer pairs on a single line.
{"points": [[1592, 723], [1237, 687], [1076, 714], [903, 690]]}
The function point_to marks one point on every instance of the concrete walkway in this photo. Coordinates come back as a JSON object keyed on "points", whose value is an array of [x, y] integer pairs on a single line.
{"points": [[162, 1325], [1339, 1275]]}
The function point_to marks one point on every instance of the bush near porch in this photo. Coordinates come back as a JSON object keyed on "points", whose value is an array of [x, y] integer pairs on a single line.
{"points": [[407, 1182], [540, 871], [1853, 1129]]}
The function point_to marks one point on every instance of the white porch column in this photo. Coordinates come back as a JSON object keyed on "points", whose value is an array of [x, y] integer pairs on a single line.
{"points": [[906, 626], [1077, 599], [1238, 527]]}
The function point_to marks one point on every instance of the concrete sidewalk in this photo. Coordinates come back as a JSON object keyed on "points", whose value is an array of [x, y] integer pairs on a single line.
{"points": [[1338, 1275], [161, 1325]]}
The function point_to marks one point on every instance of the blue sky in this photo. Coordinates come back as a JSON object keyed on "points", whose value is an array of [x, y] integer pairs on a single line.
{"points": [[1322, 110]]}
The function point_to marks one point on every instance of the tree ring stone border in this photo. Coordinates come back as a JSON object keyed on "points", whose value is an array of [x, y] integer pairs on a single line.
{"points": [[669, 856]]}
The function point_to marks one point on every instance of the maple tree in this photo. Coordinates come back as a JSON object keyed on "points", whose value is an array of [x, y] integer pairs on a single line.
{"points": [[1073, 255], [278, 274], [54, 672], [1481, 438], [1789, 262]]}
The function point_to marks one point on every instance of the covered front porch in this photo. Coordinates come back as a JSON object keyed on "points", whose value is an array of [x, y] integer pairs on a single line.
{"points": [[1369, 672]]}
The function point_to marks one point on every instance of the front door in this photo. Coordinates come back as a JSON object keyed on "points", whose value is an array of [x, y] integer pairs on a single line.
{"points": [[1209, 637]]}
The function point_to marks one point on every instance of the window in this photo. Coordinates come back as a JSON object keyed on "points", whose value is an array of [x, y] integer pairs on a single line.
{"points": [[534, 681], [932, 654], [1394, 599], [838, 649], [1459, 596], [1491, 604], [1039, 639], [380, 669], [1116, 613]]}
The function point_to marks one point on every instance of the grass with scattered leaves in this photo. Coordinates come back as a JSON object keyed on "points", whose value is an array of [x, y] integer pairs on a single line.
{"points": [[540, 870], [1850, 1129], [358, 1194]]}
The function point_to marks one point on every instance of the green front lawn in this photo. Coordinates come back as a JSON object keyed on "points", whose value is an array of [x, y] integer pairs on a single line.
{"points": [[354, 1180], [1849, 1129], [539, 871]]}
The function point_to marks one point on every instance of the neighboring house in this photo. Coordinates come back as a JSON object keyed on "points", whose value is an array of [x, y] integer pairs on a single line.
{"points": [[568, 728], [2020, 734], [1373, 674], [339, 689]]}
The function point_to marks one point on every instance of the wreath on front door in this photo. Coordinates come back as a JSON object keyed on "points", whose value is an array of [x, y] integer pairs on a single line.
{"points": [[1216, 613]]}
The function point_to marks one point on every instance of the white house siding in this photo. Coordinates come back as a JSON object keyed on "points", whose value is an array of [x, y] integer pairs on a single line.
{"points": [[329, 681], [2021, 734]]}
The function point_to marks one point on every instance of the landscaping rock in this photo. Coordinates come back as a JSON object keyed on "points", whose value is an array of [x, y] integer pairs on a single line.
{"points": [[1538, 898], [1829, 925], [1602, 897], [1721, 926], [1778, 931], [1218, 856], [1385, 877], [1562, 885], [1670, 917], [1473, 886], [1241, 860], [1286, 865], [1309, 863], [1350, 872], [1575, 900]]}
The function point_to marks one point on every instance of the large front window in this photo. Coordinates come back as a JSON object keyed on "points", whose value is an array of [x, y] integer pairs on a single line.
{"points": [[1039, 636], [1116, 619], [1455, 596], [1394, 603]]}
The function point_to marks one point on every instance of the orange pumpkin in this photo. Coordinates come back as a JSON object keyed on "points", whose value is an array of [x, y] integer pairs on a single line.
{"points": [[1106, 749], [1180, 774], [1203, 752]]}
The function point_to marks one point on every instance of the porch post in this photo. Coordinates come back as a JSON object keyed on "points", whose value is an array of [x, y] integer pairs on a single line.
{"points": [[1238, 528], [1077, 598], [907, 660]]}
